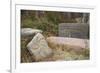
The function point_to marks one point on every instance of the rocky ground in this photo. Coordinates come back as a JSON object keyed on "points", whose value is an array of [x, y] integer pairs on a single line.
{"points": [[39, 48]]}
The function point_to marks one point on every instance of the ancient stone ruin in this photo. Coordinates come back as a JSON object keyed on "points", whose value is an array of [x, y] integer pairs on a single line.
{"points": [[65, 47], [39, 48], [74, 30], [74, 44]]}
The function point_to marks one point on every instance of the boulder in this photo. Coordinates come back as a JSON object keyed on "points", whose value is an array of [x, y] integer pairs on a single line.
{"points": [[39, 48], [71, 44], [29, 31]]}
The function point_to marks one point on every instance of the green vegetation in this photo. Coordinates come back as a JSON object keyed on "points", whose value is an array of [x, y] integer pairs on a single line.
{"points": [[46, 21]]}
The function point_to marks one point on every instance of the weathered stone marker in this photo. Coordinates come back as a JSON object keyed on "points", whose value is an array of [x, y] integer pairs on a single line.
{"points": [[74, 44], [39, 47], [75, 30]]}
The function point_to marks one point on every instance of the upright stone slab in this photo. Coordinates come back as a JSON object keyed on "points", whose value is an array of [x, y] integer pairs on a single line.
{"points": [[74, 30], [39, 47]]}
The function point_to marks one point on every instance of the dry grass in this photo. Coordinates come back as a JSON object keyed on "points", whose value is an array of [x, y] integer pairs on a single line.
{"points": [[60, 52], [26, 57]]}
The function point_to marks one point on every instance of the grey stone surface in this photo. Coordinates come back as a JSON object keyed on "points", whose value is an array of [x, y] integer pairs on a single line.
{"points": [[39, 47], [74, 30], [29, 31]]}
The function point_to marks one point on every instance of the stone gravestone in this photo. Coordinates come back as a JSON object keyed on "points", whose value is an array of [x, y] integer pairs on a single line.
{"points": [[39, 48], [74, 30]]}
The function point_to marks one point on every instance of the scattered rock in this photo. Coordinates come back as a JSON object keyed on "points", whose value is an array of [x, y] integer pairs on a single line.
{"points": [[72, 44], [39, 47], [29, 31]]}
